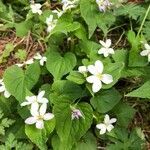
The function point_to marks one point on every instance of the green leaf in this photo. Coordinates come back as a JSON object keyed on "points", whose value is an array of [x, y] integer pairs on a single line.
{"points": [[67, 88], [93, 17], [32, 75], [88, 47], [89, 12], [142, 92], [17, 82], [5, 105], [76, 77], [36, 136], [120, 56], [23, 28], [65, 27], [14, 80], [49, 126], [59, 66], [106, 100], [69, 131], [8, 49], [125, 141], [47, 88], [134, 53], [114, 69], [87, 142], [124, 113], [146, 30], [130, 10], [55, 142]]}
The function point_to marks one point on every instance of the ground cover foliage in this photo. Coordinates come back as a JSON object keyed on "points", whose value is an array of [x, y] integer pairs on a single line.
{"points": [[75, 74]]}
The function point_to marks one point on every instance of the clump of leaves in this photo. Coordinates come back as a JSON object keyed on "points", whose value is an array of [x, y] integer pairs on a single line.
{"points": [[12, 143], [4, 123], [21, 54]]}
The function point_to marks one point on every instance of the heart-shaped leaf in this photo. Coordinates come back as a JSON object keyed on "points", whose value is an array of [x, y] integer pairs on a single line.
{"points": [[59, 66]]}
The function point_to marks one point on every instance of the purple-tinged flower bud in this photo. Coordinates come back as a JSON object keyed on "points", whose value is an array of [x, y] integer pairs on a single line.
{"points": [[76, 114]]}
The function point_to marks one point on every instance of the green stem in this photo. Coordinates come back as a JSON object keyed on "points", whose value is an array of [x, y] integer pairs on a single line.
{"points": [[144, 20]]}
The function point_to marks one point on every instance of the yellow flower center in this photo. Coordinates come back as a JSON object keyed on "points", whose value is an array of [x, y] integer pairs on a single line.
{"points": [[100, 76], [40, 117]]}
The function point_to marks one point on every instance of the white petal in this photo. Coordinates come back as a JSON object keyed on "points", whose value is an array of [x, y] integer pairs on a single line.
{"points": [[96, 86], [48, 116], [102, 128], [99, 66], [30, 61], [103, 43], [19, 65], [7, 94], [2, 88], [25, 103], [106, 119], [40, 124], [106, 54], [49, 19], [107, 79], [37, 5], [110, 127], [111, 51], [92, 69], [113, 120], [30, 120], [44, 100], [43, 109], [147, 46], [31, 98], [41, 62], [149, 58], [82, 69], [44, 59], [108, 43], [50, 28], [145, 52], [38, 56], [39, 12], [1, 81], [92, 79], [101, 50], [40, 95], [34, 109], [103, 131]]}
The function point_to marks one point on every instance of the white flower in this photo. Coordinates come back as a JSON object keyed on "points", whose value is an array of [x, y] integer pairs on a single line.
{"points": [[28, 62], [36, 8], [59, 13], [35, 100], [103, 4], [106, 125], [106, 50], [76, 114], [3, 89], [97, 77], [41, 58], [68, 4], [51, 23], [146, 52], [38, 116], [82, 69]]}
